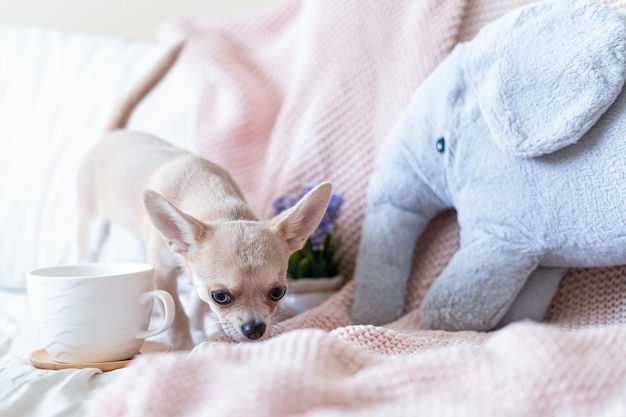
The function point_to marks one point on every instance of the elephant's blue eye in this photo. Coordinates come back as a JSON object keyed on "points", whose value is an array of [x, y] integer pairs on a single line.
{"points": [[441, 145]]}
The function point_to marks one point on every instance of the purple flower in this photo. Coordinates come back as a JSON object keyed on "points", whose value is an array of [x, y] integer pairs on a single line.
{"points": [[283, 203], [334, 207], [327, 224]]}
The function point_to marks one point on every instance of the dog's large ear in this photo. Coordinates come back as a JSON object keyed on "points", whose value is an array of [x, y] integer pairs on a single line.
{"points": [[179, 229], [544, 74], [296, 224]]}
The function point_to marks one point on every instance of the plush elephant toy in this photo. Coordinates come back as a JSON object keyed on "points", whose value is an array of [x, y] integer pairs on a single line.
{"points": [[522, 130]]}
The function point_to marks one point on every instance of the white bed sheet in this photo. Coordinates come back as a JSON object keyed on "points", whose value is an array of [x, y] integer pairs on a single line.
{"points": [[26, 391]]}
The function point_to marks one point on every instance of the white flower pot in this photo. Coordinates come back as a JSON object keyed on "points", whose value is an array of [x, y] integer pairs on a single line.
{"points": [[305, 293]]}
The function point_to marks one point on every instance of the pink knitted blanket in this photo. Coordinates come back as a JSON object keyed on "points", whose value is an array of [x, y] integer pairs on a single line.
{"points": [[306, 91], [523, 370]]}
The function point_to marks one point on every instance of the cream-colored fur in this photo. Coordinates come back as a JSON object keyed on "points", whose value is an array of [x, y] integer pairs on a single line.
{"points": [[192, 215]]}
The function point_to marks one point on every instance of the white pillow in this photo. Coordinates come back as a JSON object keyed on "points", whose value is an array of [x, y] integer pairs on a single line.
{"points": [[57, 92]]}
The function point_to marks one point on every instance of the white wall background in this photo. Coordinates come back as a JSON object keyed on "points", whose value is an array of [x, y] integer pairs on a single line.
{"points": [[129, 18]]}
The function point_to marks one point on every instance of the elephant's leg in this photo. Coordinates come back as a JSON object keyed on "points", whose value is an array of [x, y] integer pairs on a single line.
{"points": [[479, 284], [399, 206], [384, 262], [535, 297]]}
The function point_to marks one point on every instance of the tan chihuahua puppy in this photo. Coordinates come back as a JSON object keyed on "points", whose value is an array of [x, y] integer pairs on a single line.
{"points": [[190, 214]]}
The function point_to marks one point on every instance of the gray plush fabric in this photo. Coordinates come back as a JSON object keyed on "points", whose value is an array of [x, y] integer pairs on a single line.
{"points": [[523, 131]]}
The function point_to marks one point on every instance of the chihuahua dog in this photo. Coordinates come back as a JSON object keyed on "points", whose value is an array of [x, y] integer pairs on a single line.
{"points": [[191, 215]]}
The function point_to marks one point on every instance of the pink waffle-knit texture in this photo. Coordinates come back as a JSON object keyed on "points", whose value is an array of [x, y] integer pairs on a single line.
{"points": [[306, 91]]}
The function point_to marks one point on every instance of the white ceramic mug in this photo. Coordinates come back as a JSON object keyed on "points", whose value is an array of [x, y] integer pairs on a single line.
{"points": [[95, 312]]}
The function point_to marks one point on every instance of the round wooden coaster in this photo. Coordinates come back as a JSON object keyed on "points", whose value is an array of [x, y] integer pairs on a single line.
{"points": [[41, 359]]}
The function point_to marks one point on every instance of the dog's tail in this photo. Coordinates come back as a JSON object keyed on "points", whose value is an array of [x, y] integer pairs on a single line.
{"points": [[156, 74]]}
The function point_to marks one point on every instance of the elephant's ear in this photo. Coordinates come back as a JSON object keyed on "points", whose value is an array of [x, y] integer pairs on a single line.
{"points": [[545, 73]]}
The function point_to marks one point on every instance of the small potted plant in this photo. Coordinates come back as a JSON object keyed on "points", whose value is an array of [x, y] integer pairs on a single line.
{"points": [[313, 271]]}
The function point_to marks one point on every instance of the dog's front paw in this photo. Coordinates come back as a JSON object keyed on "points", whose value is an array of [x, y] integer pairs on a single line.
{"points": [[180, 339], [183, 344]]}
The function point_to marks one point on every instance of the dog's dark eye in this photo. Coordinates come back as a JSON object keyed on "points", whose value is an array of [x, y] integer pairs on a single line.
{"points": [[441, 145], [221, 297], [277, 293]]}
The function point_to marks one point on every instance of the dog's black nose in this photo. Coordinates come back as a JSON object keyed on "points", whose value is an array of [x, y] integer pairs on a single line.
{"points": [[253, 330]]}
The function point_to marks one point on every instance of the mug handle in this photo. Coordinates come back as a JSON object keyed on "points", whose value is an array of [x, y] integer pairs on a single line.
{"points": [[168, 308]]}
